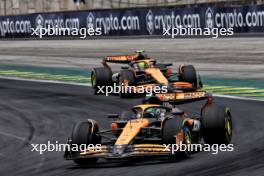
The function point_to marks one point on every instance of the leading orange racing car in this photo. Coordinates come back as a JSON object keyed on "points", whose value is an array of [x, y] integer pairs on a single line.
{"points": [[151, 129]]}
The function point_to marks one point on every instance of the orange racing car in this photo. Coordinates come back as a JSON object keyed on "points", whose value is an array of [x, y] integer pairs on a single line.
{"points": [[151, 129], [145, 72]]}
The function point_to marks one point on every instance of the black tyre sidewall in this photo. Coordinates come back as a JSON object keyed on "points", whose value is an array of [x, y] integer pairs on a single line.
{"points": [[82, 134], [171, 127], [103, 76], [189, 75], [214, 124]]}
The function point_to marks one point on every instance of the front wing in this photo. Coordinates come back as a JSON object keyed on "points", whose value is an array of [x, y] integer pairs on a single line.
{"points": [[124, 151]]}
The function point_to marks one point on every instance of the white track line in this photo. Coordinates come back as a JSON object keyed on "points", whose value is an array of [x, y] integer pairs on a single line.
{"points": [[45, 81], [89, 85], [12, 135], [236, 97]]}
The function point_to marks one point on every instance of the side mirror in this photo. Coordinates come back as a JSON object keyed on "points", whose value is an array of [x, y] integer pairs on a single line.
{"points": [[112, 116]]}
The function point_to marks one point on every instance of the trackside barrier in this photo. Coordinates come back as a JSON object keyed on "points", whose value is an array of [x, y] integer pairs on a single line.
{"points": [[141, 21]]}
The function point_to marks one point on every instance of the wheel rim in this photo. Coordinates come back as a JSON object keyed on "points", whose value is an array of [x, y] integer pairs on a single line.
{"points": [[93, 79], [187, 136], [228, 128], [187, 139]]}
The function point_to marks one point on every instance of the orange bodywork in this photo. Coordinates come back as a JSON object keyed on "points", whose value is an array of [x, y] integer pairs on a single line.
{"points": [[157, 75], [143, 107], [180, 95], [131, 129], [138, 149], [119, 58], [148, 62], [127, 59], [182, 84]]}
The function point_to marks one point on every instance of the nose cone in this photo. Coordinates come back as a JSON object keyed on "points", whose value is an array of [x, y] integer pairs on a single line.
{"points": [[119, 149]]}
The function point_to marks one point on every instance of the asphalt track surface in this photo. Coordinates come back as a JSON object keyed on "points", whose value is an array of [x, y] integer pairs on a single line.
{"points": [[33, 112], [223, 57]]}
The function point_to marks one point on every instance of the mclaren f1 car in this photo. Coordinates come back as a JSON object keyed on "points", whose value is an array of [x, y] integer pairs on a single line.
{"points": [[145, 72], [148, 129]]}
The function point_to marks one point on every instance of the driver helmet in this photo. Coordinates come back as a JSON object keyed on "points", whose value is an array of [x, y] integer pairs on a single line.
{"points": [[142, 65], [151, 112], [140, 55]]}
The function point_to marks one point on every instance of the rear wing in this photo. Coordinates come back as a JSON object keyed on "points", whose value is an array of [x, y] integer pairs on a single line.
{"points": [[177, 98], [119, 59]]}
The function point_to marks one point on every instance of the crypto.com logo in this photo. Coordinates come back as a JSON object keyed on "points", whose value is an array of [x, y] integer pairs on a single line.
{"points": [[90, 21], [209, 23], [150, 22], [39, 21]]}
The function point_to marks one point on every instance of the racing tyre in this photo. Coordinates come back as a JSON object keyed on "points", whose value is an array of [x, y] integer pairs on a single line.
{"points": [[126, 75], [101, 76], [171, 128], [216, 125], [82, 134], [188, 74]]}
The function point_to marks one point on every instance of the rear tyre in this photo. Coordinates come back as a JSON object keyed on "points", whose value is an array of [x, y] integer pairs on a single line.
{"points": [[82, 134], [172, 127], [126, 76], [101, 76], [188, 74], [216, 125]]}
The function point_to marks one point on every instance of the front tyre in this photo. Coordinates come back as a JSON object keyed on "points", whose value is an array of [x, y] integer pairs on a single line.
{"points": [[85, 133], [176, 127]]}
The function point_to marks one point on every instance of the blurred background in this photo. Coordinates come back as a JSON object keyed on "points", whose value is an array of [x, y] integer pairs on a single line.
{"points": [[15, 7]]}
